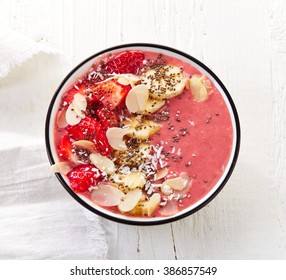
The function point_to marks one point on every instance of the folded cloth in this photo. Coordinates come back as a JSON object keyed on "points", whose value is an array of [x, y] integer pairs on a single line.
{"points": [[38, 218], [16, 48]]}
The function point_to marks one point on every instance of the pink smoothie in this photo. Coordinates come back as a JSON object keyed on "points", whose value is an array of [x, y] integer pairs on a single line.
{"points": [[195, 138]]}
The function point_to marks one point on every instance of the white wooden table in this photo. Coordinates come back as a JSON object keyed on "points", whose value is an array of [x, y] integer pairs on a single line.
{"points": [[244, 43]]}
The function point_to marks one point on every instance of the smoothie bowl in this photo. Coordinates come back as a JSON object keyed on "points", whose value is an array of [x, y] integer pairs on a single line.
{"points": [[142, 134]]}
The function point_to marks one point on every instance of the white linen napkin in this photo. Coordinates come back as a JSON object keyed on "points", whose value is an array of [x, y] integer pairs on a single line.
{"points": [[38, 218]]}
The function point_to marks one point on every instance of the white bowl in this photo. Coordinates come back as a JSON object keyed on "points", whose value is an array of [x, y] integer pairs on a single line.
{"points": [[80, 70]]}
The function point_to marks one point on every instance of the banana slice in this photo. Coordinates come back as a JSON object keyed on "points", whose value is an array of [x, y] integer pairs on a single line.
{"points": [[164, 82], [141, 129], [85, 144], [136, 99], [133, 157], [146, 207], [198, 89], [134, 180], [61, 167], [146, 130], [107, 195], [152, 105], [130, 200], [103, 163], [144, 150]]}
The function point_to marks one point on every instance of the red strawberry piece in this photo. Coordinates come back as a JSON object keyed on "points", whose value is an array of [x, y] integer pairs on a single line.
{"points": [[86, 129], [91, 130], [107, 118], [102, 144], [82, 177], [68, 96], [129, 62], [65, 148], [110, 93]]}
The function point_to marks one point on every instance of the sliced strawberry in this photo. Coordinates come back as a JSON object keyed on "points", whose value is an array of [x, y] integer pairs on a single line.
{"points": [[129, 62], [90, 129], [106, 117], [82, 177], [65, 148], [110, 93], [86, 129]]}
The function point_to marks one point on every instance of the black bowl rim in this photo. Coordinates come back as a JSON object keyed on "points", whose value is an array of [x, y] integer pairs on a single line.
{"points": [[130, 221]]}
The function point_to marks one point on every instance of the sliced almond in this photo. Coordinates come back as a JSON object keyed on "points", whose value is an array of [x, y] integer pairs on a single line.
{"points": [[103, 163], [166, 189], [198, 89], [177, 183], [170, 209], [80, 101], [134, 180], [161, 174], [131, 102], [123, 81], [130, 200], [115, 138], [127, 79], [136, 98], [185, 191], [154, 202], [204, 80], [80, 104], [72, 117], [107, 195], [185, 175], [61, 118], [133, 79], [78, 111], [85, 144], [61, 167]]}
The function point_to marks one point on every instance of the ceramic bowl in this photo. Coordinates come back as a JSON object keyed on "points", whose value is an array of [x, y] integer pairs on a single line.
{"points": [[82, 68]]}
